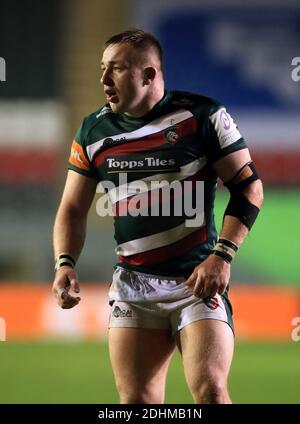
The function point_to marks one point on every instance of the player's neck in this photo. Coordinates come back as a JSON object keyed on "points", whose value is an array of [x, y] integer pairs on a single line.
{"points": [[147, 104]]}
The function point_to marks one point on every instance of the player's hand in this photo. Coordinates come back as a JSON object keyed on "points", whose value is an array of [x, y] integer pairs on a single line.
{"points": [[66, 279], [210, 277]]}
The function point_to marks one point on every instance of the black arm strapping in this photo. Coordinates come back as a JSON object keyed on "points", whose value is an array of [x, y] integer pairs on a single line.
{"points": [[239, 206], [239, 187]]}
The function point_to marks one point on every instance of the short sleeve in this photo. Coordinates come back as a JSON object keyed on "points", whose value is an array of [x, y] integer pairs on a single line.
{"points": [[78, 160], [223, 136]]}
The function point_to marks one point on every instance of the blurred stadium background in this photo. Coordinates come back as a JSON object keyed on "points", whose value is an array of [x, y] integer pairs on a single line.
{"points": [[239, 54]]}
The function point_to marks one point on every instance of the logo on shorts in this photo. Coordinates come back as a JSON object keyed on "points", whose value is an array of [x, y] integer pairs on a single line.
{"points": [[121, 313], [211, 302]]}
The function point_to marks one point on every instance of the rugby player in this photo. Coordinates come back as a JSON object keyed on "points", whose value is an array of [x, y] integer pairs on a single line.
{"points": [[170, 285]]}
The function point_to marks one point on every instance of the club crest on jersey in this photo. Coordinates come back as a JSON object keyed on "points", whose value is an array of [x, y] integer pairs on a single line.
{"points": [[171, 135], [211, 302]]}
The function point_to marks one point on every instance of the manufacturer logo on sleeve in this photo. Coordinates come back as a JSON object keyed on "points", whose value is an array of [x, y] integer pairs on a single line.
{"points": [[225, 120], [226, 129], [76, 155]]}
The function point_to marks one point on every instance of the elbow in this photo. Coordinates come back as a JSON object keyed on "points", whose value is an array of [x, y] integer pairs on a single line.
{"points": [[259, 193], [255, 193]]}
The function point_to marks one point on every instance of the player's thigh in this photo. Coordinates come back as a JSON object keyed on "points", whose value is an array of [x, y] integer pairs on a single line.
{"points": [[140, 358], [207, 348]]}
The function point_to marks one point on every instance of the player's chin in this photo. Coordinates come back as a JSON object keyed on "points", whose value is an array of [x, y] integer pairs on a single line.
{"points": [[116, 106]]}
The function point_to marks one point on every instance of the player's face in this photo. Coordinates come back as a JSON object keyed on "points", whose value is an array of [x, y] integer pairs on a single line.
{"points": [[123, 79]]}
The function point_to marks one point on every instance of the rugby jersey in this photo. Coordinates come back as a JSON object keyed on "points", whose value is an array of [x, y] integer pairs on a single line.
{"points": [[138, 159]]}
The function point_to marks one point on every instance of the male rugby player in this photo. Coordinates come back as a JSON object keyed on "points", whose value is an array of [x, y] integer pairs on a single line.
{"points": [[170, 285]]}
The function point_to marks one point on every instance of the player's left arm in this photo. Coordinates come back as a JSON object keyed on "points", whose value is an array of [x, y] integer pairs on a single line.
{"points": [[238, 173]]}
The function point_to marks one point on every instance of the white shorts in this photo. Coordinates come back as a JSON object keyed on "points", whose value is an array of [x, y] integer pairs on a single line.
{"points": [[151, 301]]}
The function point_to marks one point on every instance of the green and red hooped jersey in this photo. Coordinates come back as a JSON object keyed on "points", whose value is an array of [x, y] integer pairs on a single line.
{"points": [[178, 140]]}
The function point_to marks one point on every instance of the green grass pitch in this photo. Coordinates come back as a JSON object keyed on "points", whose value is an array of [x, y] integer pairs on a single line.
{"points": [[275, 234], [80, 373]]}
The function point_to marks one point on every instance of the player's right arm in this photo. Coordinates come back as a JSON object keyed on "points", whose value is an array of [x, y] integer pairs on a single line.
{"points": [[69, 233]]}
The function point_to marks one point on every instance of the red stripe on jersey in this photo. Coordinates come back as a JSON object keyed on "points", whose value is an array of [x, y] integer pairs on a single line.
{"points": [[183, 129], [154, 197], [166, 253]]}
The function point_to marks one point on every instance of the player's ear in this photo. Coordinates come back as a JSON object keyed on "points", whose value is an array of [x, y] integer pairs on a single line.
{"points": [[149, 75]]}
